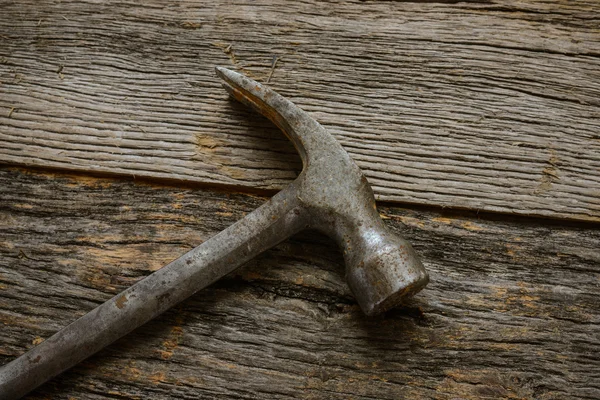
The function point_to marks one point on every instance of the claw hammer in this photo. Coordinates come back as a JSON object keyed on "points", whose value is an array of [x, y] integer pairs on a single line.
{"points": [[330, 195]]}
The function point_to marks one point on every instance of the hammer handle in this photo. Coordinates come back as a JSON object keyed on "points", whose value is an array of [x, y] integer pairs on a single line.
{"points": [[272, 223]]}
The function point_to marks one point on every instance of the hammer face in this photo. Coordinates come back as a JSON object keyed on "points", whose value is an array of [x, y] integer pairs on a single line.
{"points": [[382, 270]]}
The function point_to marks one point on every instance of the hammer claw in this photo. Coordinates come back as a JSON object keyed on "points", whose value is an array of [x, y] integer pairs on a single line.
{"points": [[308, 136]]}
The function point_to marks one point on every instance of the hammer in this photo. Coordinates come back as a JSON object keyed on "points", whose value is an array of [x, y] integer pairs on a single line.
{"points": [[330, 195]]}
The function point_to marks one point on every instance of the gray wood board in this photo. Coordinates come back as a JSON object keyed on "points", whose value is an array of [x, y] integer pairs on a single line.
{"points": [[476, 105], [512, 309]]}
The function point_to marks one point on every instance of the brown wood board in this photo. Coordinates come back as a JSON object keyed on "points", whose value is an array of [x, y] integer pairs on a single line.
{"points": [[481, 105], [511, 311]]}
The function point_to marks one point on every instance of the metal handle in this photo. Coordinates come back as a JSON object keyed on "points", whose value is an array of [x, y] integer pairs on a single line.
{"points": [[270, 224]]}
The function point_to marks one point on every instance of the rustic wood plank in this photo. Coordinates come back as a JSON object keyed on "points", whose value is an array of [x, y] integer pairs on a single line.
{"points": [[511, 312], [487, 105]]}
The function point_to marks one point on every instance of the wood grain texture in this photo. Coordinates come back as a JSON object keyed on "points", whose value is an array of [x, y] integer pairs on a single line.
{"points": [[511, 312], [482, 105]]}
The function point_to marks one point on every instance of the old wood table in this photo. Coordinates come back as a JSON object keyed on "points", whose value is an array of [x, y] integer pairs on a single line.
{"points": [[476, 122]]}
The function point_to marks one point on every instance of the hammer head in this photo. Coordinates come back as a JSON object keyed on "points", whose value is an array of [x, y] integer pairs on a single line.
{"points": [[334, 197]]}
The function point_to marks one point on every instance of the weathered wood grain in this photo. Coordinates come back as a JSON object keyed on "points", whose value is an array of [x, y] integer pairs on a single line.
{"points": [[487, 105], [512, 310]]}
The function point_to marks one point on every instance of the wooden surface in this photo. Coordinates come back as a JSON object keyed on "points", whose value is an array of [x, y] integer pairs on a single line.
{"points": [[487, 105], [452, 109], [512, 309]]}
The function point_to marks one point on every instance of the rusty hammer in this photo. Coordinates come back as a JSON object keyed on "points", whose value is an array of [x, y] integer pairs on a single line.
{"points": [[330, 195]]}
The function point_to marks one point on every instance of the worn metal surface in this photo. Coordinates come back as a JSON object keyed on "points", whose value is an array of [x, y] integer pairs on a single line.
{"points": [[331, 195]]}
